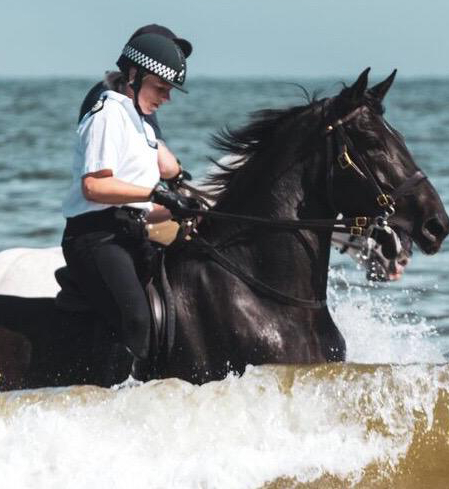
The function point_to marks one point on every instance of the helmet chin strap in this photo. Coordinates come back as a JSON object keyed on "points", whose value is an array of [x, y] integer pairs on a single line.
{"points": [[136, 85]]}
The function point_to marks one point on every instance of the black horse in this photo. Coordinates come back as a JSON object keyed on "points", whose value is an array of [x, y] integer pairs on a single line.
{"points": [[253, 291]]}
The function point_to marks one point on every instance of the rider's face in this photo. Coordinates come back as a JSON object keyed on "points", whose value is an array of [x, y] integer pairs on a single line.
{"points": [[153, 93]]}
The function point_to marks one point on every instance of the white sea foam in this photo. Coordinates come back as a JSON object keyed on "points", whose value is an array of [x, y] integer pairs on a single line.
{"points": [[238, 433]]}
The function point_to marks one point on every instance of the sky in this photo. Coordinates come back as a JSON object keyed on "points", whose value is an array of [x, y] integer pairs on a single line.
{"points": [[233, 38]]}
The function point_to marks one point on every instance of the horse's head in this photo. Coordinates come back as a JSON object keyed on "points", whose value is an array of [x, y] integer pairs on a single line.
{"points": [[371, 172]]}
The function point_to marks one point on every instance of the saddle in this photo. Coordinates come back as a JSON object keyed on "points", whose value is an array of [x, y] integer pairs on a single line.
{"points": [[160, 298]]}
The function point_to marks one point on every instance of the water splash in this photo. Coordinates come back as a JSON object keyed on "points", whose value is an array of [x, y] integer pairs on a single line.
{"points": [[301, 424], [373, 331]]}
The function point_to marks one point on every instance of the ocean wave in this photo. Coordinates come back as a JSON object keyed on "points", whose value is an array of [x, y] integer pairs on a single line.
{"points": [[339, 426]]}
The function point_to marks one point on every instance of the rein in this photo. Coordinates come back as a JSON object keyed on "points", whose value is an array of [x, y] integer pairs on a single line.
{"points": [[350, 224], [355, 225], [204, 246]]}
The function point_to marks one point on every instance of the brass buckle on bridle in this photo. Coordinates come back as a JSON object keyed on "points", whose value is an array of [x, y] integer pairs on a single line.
{"points": [[356, 231], [385, 200], [345, 161], [360, 223]]}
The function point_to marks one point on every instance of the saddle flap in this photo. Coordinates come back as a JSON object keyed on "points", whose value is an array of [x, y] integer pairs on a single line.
{"points": [[162, 305], [157, 307]]}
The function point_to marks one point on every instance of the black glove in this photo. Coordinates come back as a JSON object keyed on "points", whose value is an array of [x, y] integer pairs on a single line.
{"points": [[175, 182], [179, 205]]}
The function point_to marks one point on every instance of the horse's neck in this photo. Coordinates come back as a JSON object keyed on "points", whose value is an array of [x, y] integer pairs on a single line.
{"points": [[293, 262]]}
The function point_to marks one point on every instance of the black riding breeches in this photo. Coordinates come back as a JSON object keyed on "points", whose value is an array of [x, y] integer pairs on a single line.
{"points": [[110, 266]]}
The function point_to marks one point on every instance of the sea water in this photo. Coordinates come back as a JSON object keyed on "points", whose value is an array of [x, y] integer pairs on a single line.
{"points": [[379, 421]]}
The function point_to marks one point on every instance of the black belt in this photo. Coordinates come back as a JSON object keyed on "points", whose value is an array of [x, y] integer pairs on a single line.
{"points": [[125, 220]]}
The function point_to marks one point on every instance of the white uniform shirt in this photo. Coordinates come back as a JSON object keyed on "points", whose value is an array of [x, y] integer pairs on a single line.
{"points": [[114, 138]]}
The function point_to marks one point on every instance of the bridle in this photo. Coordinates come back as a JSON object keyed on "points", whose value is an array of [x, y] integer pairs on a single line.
{"points": [[339, 144], [337, 138], [339, 149]]}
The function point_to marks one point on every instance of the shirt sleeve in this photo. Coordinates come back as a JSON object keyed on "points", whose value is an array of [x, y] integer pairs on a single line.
{"points": [[101, 139]]}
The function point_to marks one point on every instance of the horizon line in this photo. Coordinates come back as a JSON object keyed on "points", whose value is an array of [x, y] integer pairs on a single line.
{"points": [[200, 77]]}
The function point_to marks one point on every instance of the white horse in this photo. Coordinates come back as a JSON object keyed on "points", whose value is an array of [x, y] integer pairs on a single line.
{"points": [[29, 272]]}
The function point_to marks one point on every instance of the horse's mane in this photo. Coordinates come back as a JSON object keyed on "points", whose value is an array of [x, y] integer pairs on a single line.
{"points": [[253, 145], [265, 129]]}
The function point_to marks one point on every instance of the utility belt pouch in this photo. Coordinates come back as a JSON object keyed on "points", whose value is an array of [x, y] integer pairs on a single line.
{"points": [[130, 223]]}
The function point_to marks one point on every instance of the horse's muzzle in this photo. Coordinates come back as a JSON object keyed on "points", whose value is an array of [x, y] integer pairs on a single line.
{"points": [[432, 233]]}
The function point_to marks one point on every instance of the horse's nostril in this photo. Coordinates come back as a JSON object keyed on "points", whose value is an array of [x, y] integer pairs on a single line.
{"points": [[434, 227], [403, 261]]}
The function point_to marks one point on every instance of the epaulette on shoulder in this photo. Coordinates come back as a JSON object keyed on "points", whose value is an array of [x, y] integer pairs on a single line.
{"points": [[99, 104]]}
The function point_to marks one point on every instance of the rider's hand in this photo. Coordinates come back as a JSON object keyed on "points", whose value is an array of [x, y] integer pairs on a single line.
{"points": [[175, 182], [179, 205]]}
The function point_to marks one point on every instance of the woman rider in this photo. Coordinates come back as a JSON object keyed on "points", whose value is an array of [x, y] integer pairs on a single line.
{"points": [[114, 192], [113, 80]]}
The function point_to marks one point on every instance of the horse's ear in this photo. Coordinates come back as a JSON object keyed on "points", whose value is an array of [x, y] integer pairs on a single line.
{"points": [[357, 90], [380, 90]]}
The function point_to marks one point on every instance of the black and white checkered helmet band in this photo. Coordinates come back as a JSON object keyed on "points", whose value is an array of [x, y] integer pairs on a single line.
{"points": [[153, 66]]}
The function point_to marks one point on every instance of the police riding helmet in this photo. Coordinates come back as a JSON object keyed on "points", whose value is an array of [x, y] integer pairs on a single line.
{"points": [[154, 54], [164, 31]]}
